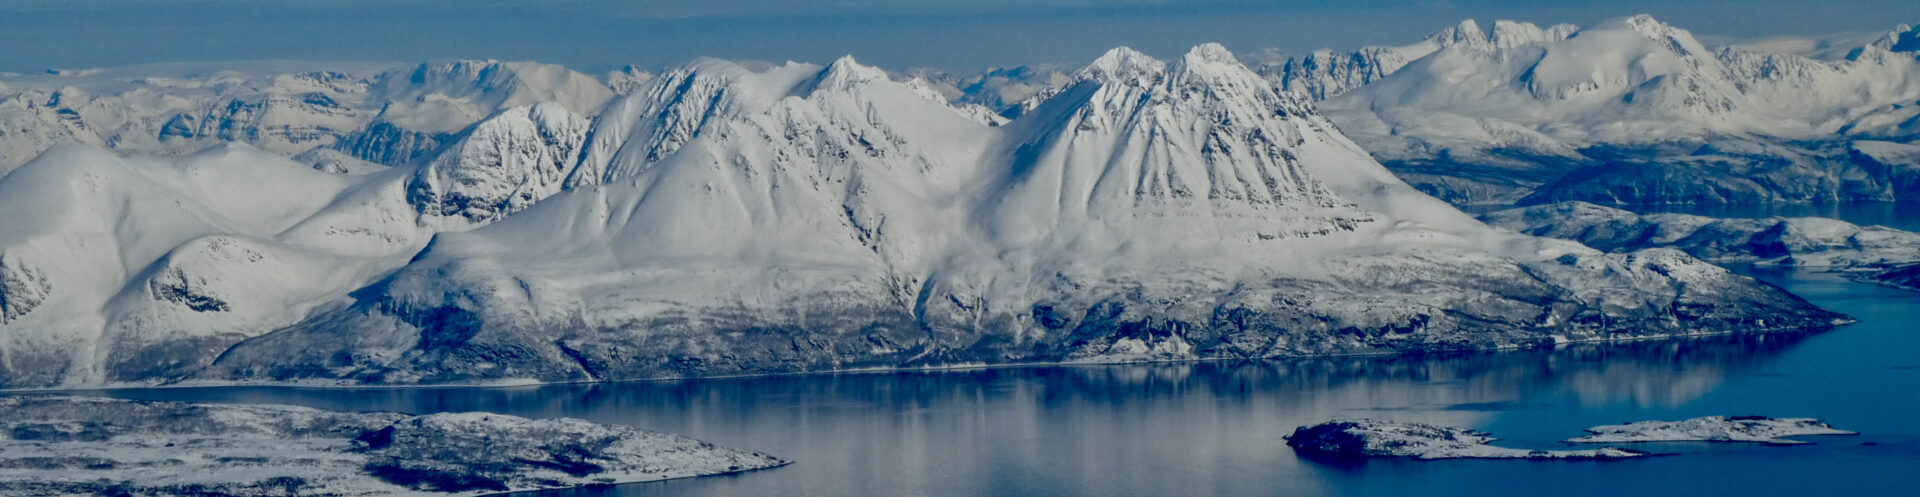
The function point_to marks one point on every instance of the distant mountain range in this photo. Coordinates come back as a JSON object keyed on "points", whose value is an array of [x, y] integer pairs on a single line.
{"points": [[483, 221], [1628, 111]]}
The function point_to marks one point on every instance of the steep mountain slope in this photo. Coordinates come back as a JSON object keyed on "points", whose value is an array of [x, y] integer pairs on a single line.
{"points": [[1627, 111], [804, 218], [116, 269]]}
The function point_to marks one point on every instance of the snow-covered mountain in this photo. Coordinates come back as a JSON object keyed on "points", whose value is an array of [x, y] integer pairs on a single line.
{"points": [[1627, 111], [379, 113], [724, 219], [1324, 74]]}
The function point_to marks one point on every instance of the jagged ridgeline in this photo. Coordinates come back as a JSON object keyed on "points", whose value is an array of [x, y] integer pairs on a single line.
{"points": [[719, 219], [1630, 111]]}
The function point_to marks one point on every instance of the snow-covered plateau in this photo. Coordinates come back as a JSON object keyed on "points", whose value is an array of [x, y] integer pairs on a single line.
{"points": [[1872, 253], [59, 446], [722, 219], [1629, 111], [1374, 438], [1751, 429]]}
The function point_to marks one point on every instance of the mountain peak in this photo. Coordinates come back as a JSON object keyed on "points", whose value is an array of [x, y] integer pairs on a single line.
{"points": [[1647, 24], [1508, 34], [1679, 41], [1123, 64], [1211, 52], [1213, 62], [1468, 32], [845, 74], [1903, 38]]}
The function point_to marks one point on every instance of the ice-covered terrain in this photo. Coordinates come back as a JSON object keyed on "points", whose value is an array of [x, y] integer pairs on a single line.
{"points": [[1627, 111], [57, 446], [1754, 429], [1875, 253], [1374, 438], [720, 219], [379, 113]]}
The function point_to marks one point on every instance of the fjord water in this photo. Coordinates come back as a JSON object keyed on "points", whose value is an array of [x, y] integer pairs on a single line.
{"points": [[1218, 428]]}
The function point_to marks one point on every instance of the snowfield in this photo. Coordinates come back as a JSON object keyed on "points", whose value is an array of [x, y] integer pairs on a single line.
{"points": [[1876, 254], [718, 219], [55, 446], [1630, 111], [376, 113]]}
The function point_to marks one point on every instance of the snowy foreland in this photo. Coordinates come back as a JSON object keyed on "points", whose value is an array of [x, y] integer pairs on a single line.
{"points": [[1875, 254], [1755, 429], [56, 446], [1372, 438]]}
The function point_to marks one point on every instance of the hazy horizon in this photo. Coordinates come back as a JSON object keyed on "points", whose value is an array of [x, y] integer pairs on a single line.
{"points": [[595, 35]]}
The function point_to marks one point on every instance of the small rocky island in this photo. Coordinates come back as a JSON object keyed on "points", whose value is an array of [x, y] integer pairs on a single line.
{"points": [[57, 446], [1751, 429], [1373, 438]]}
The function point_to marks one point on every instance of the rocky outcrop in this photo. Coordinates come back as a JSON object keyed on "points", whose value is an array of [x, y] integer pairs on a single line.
{"points": [[502, 165], [1905, 277], [22, 288], [1372, 438], [1747, 429], [51, 446]]}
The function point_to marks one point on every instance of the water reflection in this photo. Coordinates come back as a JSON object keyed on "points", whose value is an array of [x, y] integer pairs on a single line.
{"points": [[1154, 429], [1644, 373]]}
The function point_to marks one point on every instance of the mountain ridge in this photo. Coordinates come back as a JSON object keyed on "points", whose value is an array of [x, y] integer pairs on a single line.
{"points": [[726, 220], [1612, 112]]}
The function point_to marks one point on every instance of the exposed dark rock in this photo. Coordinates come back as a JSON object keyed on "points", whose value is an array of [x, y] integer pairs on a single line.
{"points": [[103, 446]]}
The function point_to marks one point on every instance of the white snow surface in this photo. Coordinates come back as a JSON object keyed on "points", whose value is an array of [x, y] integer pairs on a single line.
{"points": [[134, 255], [1751, 429], [1810, 242], [1547, 92], [280, 106], [711, 213], [792, 180]]}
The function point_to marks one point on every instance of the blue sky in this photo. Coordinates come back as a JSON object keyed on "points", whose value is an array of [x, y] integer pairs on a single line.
{"points": [[963, 34]]}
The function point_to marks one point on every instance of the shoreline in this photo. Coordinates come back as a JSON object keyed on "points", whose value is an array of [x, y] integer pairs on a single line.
{"points": [[1554, 342], [783, 463]]}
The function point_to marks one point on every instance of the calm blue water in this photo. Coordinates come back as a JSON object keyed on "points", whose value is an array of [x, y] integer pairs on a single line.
{"points": [[1216, 428]]}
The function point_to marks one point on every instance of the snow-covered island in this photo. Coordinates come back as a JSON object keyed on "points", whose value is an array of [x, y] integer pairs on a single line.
{"points": [[51, 446], [1875, 254], [1753, 429], [1374, 438]]}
